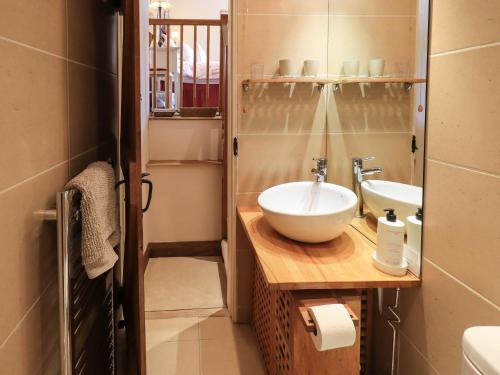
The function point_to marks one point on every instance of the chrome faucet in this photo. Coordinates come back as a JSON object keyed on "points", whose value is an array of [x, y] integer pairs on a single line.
{"points": [[321, 169], [358, 174]]}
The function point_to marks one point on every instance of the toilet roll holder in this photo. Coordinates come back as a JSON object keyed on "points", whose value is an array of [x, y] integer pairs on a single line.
{"points": [[307, 320]]}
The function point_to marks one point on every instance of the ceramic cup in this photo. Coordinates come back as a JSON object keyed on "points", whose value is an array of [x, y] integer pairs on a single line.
{"points": [[286, 68], [311, 68], [351, 68], [376, 67]]}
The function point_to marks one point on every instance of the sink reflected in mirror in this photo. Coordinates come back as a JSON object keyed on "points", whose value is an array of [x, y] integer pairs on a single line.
{"points": [[309, 212], [379, 195]]}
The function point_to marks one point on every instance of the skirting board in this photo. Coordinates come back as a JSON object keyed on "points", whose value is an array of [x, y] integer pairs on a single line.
{"points": [[182, 249]]}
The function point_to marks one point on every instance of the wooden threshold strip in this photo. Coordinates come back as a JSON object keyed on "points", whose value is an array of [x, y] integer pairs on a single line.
{"points": [[184, 249], [177, 163], [181, 118]]}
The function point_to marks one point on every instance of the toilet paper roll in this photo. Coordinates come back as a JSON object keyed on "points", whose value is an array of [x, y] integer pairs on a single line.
{"points": [[334, 327]]}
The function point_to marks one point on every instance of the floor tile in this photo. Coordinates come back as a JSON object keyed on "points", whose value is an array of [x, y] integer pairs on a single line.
{"points": [[174, 358], [230, 357], [223, 328], [173, 329]]}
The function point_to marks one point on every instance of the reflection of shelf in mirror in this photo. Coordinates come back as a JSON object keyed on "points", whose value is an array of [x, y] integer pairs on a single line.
{"points": [[406, 80], [178, 163]]}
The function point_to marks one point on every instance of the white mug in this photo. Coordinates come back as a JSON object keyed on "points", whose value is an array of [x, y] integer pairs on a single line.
{"points": [[311, 68], [376, 67], [351, 68], [286, 68]]}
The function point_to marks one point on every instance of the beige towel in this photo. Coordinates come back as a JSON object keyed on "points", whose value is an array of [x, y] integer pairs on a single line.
{"points": [[100, 230]]}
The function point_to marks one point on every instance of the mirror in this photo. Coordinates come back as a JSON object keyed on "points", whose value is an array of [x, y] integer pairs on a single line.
{"points": [[382, 125], [340, 80]]}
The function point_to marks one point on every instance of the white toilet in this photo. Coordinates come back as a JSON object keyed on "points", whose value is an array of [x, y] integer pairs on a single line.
{"points": [[481, 351]]}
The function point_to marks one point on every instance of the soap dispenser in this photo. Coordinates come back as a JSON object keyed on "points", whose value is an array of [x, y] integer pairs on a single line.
{"points": [[414, 230], [413, 247], [390, 245]]}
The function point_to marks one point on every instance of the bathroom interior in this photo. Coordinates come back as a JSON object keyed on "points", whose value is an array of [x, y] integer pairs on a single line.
{"points": [[250, 187]]}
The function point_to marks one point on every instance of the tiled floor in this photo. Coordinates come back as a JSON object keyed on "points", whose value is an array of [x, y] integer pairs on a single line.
{"points": [[208, 346], [188, 330]]}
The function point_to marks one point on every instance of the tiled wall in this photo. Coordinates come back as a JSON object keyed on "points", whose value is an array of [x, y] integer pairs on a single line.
{"points": [[282, 128], [58, 105], [461, 278]]}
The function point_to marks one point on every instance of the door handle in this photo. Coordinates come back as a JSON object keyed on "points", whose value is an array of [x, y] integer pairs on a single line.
{"points": [[150, 190]]}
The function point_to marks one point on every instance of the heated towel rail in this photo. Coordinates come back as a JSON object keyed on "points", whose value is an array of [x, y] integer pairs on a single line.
{"points": [[86, 312]]}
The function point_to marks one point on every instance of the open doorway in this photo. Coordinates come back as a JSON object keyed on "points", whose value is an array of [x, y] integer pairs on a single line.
{"points": [[184, 47]]}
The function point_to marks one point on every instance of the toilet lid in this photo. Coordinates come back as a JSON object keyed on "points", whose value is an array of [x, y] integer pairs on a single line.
{"points": [[482, 346]]}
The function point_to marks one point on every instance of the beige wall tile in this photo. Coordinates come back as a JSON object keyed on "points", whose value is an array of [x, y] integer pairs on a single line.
{"points": [[465, 136], [471, 253], [435, 316], [267, 39], [275, 109], [246, 199], [29, 259], [369, 7], [185, 140], [245, 268], [412, 362], [41, 24], [267, 160], [186, 200], [33, 123], [92, 34], [462, 23], [370, 108], [33, 347], [365, 38], [80, 162], [282, 6], [391, 150], [92, 108]]}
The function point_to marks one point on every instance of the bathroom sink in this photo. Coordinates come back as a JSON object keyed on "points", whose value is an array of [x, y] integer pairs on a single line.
{"points": [[308, 211], [379, 195]]}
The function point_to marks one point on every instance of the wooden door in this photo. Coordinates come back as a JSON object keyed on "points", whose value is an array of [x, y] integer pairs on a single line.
{"points": [[133, 280]]}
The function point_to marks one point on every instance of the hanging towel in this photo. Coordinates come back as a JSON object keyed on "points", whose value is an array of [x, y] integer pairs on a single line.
{"points": [[100, 230]]}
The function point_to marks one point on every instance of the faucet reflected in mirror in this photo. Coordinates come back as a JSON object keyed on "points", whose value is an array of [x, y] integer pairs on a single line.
{"points": [[321, 169], [358, 173]]}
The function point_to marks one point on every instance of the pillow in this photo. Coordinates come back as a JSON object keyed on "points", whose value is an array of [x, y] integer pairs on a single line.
{"points": [[201, 54], [188, 54]]}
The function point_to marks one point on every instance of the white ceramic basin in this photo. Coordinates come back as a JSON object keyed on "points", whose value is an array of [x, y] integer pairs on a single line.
{"points": [[379, 195], [308, 211]]}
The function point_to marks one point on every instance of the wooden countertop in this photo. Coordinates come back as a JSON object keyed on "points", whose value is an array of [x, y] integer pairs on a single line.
{"points": [[343, 263]]}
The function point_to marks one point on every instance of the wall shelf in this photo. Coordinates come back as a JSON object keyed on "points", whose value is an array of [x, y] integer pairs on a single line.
{"points": [[408, 81], [176, 163]]}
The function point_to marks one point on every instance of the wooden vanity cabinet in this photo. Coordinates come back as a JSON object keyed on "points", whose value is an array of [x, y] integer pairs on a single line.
{"points": [[286, 347]]}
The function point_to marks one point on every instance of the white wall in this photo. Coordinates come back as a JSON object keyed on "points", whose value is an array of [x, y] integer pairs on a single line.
{"points": [[197, 8], [187, 199]]}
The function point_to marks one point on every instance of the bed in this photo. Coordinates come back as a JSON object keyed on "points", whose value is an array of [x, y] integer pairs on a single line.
{"points": [[188, 77]]}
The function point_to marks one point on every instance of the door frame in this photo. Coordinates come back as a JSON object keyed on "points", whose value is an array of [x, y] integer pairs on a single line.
{"points": [[232, 129], [130, 150]]}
